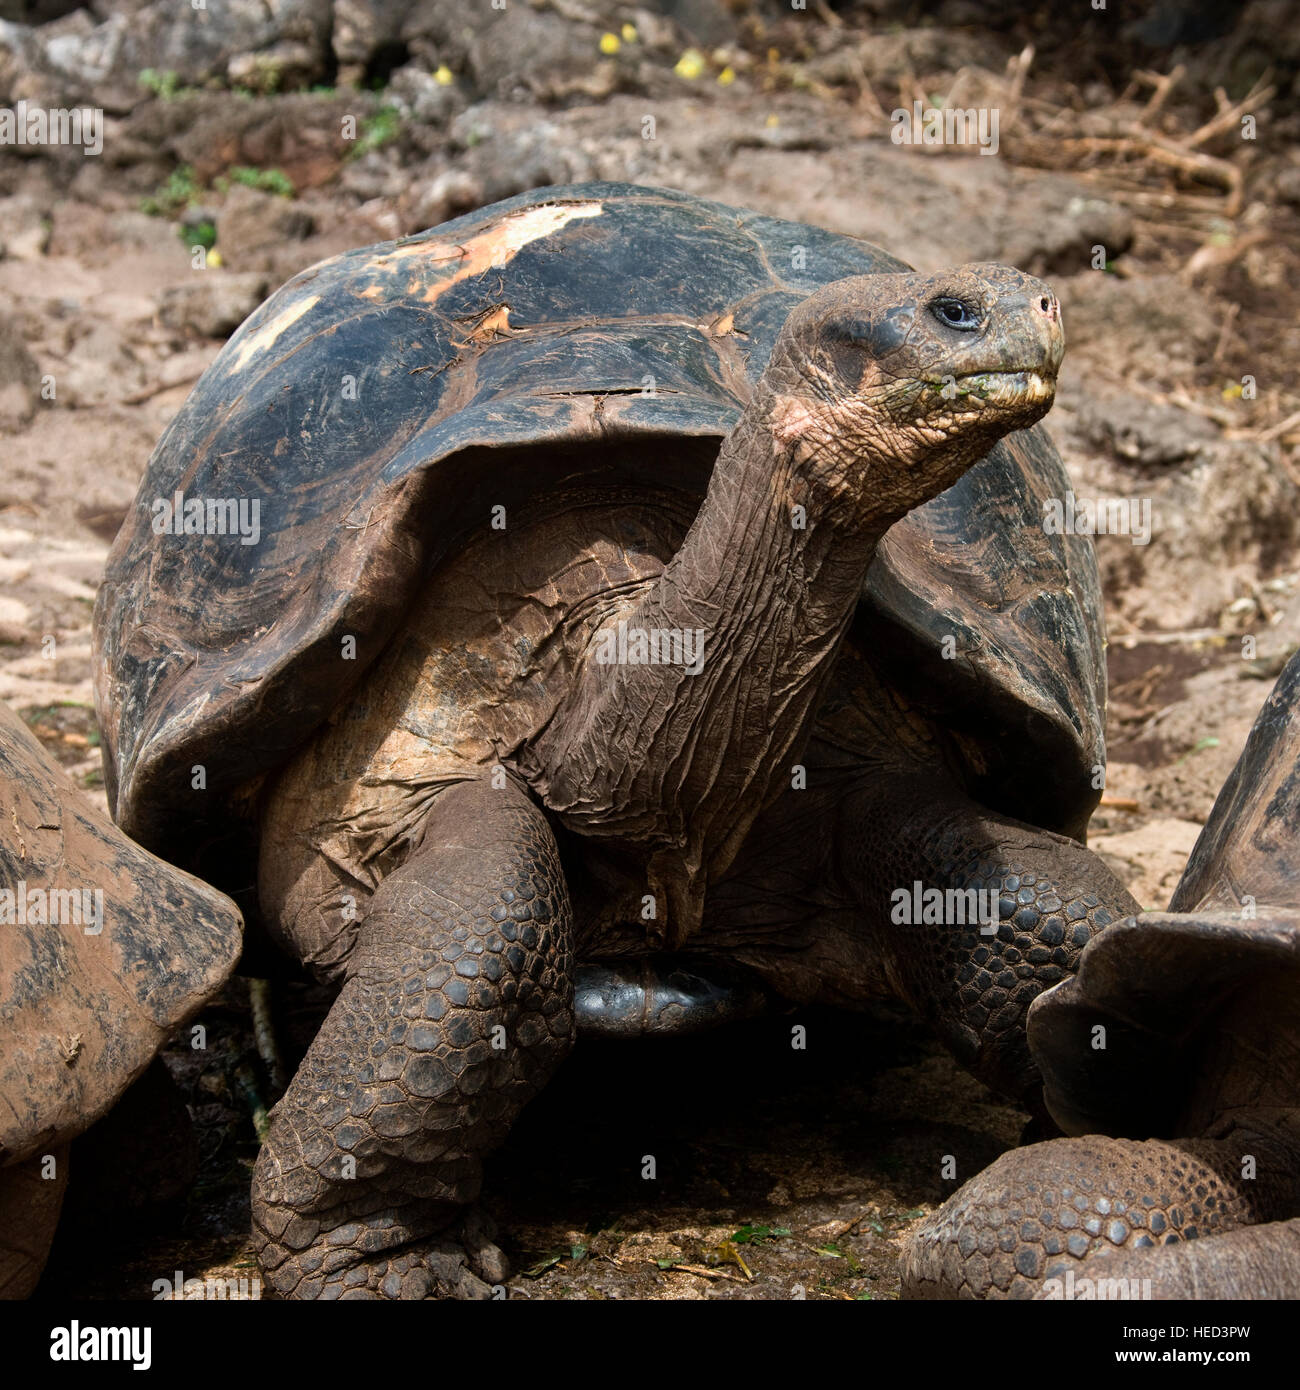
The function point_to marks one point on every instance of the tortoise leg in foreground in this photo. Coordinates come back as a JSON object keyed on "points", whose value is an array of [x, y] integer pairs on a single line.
{"points": [[973, 980], [1183, 1026], [456, 1009], [1167, 1214]]}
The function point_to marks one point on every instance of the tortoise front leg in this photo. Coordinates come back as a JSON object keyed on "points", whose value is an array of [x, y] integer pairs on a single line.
{"points": [[974, 986], [456, 1009]]}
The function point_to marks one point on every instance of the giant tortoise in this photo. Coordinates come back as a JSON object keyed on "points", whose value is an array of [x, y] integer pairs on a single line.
{"points": [[1173, 1060], [590, 614], [104, 951]]}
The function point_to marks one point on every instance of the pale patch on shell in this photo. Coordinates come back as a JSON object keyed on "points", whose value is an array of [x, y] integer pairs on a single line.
{"points": [[265, 336], [489, 250]]}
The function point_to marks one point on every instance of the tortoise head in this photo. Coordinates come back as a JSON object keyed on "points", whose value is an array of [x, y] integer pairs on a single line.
{"points": [[891, 386]]}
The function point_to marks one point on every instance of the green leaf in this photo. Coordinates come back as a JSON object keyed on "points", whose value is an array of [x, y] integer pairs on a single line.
{"points": [[546, 1262], [747, 1235], [1199, 747]]}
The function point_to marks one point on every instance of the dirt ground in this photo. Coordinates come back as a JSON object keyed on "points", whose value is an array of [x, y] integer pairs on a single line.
{"points": [[780, 1173]]}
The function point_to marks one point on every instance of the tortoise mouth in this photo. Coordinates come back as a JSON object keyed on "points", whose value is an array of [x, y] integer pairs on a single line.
{"points": [[1027, 386]]}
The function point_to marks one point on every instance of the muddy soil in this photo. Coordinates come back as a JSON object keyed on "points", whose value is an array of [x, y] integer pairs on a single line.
{"points": [[778, 1172]]}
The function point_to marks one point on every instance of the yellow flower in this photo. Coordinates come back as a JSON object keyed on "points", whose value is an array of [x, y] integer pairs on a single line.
{"points": [[610, 43], [727, 76], [213, 259], [443, 76], [772, 120], [629, 33], [690, 64]]}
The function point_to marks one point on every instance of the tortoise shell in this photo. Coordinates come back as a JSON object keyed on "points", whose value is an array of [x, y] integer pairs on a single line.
{"points": [[1172, 988], [104, 950], [381, 404]]}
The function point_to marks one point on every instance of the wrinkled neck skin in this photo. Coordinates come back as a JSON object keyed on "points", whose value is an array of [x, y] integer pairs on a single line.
{"points": [[680, 763]]}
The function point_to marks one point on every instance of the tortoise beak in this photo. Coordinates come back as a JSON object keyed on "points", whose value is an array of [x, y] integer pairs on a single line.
{"points": [[1046, 311], [1039, 311]]}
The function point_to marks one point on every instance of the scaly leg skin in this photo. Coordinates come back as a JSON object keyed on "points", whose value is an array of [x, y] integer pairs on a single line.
{"points": [[975, 989], [1177, 1213], [457, 1008]]}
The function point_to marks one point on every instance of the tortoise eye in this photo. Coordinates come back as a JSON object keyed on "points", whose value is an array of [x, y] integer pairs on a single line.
{"points": [[955, 313]]}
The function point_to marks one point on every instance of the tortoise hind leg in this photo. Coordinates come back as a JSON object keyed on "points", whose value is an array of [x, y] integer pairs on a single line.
{"points": [[1177, 1213], [456, 1009], [972, 983]]}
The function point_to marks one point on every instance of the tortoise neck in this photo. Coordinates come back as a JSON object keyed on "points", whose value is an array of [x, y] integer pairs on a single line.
{"points": [[775, 559], [695, 701]]}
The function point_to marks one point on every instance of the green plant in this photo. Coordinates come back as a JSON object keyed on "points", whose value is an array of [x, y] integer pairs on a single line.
{"points": [[377, 130], [202, 234], [749, 1235], [174, 195], [164, 85], [265, 78], [267, 180]]}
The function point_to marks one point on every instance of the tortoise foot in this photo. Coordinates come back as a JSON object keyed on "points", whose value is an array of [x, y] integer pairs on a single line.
{"points": [[461, 1262]]}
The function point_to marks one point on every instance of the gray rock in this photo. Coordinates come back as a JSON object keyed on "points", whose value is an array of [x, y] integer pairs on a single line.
{"points": [[290, 37], [1063, 244], [24, 228], [214, 303], [250, 221], [19, 378], [422, 97]]}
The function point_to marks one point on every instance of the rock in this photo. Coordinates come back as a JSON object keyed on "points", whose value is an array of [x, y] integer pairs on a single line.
{"points": [[1140, 431], [432, 202], [274, 69], [250, 221], [266, 41], [374, 175], [561, 54], [1064, 244], [363, 27], [422, 97], [298, 134], [707, 21], [507, 150], [19, 378], [214, 303], [887, 59], [1167, 322], [1215, 522], [98, 367], [24, 228], [482, 45]]}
